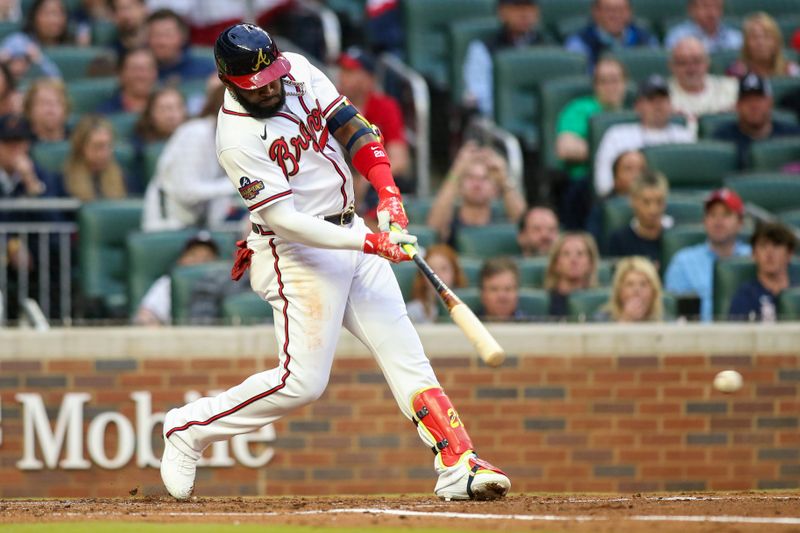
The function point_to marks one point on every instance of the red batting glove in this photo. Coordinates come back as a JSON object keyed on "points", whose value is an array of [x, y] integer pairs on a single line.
{"points": [[390, 209], [387, 245]]}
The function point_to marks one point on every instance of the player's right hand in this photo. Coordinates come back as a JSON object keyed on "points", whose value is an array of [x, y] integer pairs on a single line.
{"points": [[390, 209], [388, 245]]}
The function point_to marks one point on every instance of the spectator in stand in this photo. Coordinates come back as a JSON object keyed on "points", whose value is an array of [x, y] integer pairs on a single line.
{"points": [[477, 177], [91, 172], [643, 235], [138, 75], [611, 28], [519, 28], [155, 308], [424, 305], [46, 106], [572, 267], [10, 11], [10, 97], [754, 118], [692, 90], [636, 293], [357, 82], [762, 52], [572, 138], [168, 38], [654, 110], [189, 187], [45, 25], [691, 270], [627, 167], [773, 245], [499, 290], [20, 176], [384, 23], [164, 112], [129, 17], [538, 231], [705, 24]]}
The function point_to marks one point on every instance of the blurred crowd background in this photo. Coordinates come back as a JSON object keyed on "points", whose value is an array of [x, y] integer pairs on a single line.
{"points": [[561, 160]]}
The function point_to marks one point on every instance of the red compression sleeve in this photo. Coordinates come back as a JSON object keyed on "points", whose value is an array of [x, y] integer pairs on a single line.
{"points": [[373, 163]]}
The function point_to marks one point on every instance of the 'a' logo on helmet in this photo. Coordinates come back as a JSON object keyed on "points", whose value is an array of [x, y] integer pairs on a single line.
{"points": [[263, 60]]}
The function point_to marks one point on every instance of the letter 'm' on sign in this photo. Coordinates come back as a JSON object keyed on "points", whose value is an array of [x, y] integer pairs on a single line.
{"points": [[69, 427]]}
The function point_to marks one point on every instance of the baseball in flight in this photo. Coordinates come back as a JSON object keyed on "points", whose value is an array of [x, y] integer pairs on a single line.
{"points": [[728, 381]]}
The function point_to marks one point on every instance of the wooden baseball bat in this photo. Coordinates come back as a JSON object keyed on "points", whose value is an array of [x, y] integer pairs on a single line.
{"points": [[487, 347]]}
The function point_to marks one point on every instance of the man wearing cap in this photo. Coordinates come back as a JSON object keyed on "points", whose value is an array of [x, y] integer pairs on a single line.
{"points": [[691, 269], [519, 27], [654, 109], [19, 175], [754, 118]]}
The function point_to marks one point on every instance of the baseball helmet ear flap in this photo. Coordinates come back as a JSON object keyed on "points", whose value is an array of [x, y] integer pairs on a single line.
{"points": [[247, 57]]}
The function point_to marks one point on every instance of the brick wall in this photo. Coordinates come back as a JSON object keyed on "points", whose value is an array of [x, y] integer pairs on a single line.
{"points": [[565, 421]]}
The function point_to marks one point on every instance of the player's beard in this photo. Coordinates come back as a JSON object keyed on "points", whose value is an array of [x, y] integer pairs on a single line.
{"points": [[261, 110]]}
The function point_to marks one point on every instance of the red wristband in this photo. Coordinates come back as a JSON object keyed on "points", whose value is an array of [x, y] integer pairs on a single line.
{"points": [[373, 163]]}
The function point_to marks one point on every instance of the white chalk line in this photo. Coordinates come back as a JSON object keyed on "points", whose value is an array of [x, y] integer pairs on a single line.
{"points": [[728, 519]]}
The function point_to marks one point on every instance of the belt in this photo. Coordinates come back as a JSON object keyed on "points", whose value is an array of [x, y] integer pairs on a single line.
{"points": [[345, 218]]}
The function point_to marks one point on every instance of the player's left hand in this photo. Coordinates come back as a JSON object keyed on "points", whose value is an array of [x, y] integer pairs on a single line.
{"points": [[390, 209], [388, 244]]}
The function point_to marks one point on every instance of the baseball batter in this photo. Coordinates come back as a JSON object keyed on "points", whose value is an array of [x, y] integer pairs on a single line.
{"points": [[282, 135]]}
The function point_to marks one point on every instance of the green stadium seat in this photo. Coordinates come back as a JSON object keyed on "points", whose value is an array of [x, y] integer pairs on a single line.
{"points": [[776, 8], [789, 304], [417, 209], [534, 303], [472, 269], [353, 10], [103, 227], [677, 238], [427, 39], [721, 60], [86, 94], [696, 166], [568, 26], [729, 274], [123, 124], [488, 241], [599, 124], [51, 155], [151, 255], [605, 271], [642, 61], [655, 11], [670, 305], [615, 213], [772, 154], [685, 209], [532, 271], [788, 23], [426, 236], [791, 218], [517, 76], [462, 33], [708, 124], [8, 27], [583, 305], [152, 152], [471, 296], [246, 309], [104, 33], [74, 62], [126, 157], [783, 85], [554, 11], [772, 191], [405, 273], [554, 95], [183, 282]]}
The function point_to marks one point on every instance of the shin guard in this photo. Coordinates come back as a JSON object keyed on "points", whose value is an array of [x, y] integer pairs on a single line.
{"points": [[439, 425]]}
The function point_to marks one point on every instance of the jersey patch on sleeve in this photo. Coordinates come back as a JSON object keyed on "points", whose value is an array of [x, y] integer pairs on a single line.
{"points": [[249, 189]]}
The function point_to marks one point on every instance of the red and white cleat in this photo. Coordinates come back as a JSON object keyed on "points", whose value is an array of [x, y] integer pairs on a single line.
{"points": [[471, 478]]}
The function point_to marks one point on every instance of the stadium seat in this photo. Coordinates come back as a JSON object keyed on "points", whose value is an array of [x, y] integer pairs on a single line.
{"points": [[791, 218], [471, 296], [354, 10], [554, 11], [103, 227], [772, 191], [152, 152], [51, 155], [8, 27], [772, 154], [677, 238], [517, 76], [554, 95], [789, 304], [488, 241], [583, 305], [696, 166], [729, 274], [642, 61], [246, 309], [615, 213], [788, 23], [685, 208], [405, 273], [783, 85], [568, 26], [532, 271], [183, 282], [599, 124], [605, 271], [472, 269], [426, 236], [776, 8], [126, 157], [708, 124], [417, 208], [151, 255], [75, 62], [427, 39], [123, 124], [721, 60], [534, 303], [104, 33], [86, 94], [670, 305], [461, 34]]}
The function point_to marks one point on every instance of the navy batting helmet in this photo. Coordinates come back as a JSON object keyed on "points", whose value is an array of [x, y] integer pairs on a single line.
{"points": [[247, 56]]}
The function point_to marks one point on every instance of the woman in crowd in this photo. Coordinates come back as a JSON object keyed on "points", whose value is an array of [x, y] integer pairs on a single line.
{"points": [[636, 293], [762, 51], [91, 171], [164, 112], [572, 267], [46, 106], [424, 306]]}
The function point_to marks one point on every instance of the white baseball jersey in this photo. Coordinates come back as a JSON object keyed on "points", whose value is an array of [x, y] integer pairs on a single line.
{"points": [[291, 153]]}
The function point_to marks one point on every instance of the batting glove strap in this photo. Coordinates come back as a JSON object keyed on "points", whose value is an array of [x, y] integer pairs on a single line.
{"points": [[386, 245]]}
